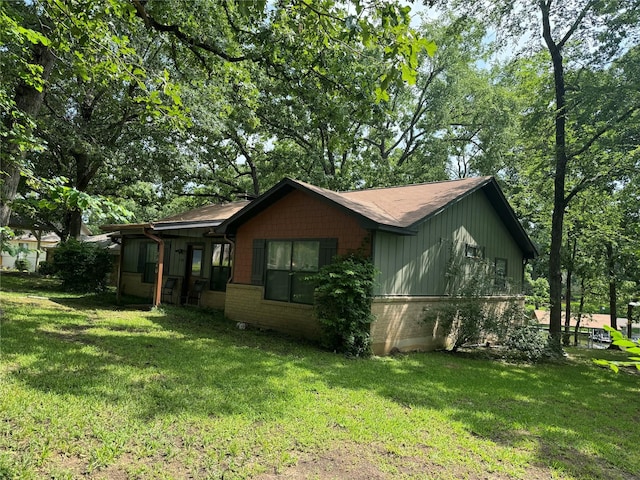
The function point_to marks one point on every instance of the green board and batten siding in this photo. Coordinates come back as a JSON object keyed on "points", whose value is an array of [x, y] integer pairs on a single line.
{"points": [[414, 265]]}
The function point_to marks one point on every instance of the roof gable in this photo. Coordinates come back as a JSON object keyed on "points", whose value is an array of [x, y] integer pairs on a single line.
{"points": [[396, 209]]}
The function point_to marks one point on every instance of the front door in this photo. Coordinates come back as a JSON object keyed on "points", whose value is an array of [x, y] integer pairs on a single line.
{"points": [[193, 268]]}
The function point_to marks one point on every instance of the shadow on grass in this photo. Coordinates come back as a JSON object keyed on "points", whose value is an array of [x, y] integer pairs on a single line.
{"points": [[186, 360]]}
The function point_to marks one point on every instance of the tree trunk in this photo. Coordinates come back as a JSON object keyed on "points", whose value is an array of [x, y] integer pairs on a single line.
{"points": [[566, 338], [28, 101], [580, 310], [567, 310], [38, 235], [611, 268], [559, 201], [75, 223]]}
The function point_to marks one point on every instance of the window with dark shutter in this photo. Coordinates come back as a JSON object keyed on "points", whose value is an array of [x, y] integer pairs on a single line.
{"points": [[328, 250], [289, 263]]}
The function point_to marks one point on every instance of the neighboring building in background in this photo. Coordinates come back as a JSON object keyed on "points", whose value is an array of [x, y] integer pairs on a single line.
{"points": [[31, 246]]}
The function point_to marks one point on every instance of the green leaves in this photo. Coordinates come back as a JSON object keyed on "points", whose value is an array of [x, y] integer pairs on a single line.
{"points": [[33, 36], [343, 299], [53, 195], [625, 344]]}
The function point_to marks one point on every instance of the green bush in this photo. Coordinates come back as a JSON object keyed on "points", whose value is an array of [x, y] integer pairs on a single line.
{"points": [[46, 268], [22, 265], [82, 267], [343, 299], [526, 342]]}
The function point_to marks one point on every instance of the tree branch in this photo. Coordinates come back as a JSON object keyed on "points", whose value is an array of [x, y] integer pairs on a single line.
{"points": [[151, 22], [576, 24], [602, 131]]}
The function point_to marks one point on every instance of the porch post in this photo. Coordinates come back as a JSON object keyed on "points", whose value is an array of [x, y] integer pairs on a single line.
{"points": [[158, 283]]}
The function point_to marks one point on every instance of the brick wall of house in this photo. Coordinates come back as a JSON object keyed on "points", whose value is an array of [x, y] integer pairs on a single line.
{"points": [[400, 323], [131, 284], [212, 299], [245, 303], [298, 215]]}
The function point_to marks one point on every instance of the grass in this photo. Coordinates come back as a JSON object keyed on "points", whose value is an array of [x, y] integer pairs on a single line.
{"points": [[92, 390]]}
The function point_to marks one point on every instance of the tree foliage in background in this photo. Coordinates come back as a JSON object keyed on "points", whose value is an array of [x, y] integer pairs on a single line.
{"points": [[96, 95], [590, 48]]}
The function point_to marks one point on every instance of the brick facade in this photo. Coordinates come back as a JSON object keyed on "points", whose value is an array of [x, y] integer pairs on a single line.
{"points": [[246, 303], [400, 322], [301, 216], [131, 284]]}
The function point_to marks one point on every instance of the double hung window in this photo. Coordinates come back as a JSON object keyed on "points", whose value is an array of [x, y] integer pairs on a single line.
{"points": [[282, 266], [289, 262]]}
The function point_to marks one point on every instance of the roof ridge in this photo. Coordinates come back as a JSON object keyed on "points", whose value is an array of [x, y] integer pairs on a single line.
{"points": [[483, 177]]}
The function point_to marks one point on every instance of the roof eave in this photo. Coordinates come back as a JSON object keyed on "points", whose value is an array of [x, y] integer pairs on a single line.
{"points": [[159, 227], [126, 228]]}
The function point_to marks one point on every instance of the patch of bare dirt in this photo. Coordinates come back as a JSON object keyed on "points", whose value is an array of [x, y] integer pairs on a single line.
{"points": [[377, 463]]}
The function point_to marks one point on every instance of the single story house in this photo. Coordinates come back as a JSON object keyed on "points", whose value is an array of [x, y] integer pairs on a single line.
{"points": [[416, 236], [31, 246]]}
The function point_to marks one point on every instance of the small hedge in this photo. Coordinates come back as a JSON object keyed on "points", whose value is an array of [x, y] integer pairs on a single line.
{"points": [[82, 267], [343, 298]]}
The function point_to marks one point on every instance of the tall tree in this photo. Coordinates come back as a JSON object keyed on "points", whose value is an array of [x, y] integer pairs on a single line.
{"points": [[575, 34], [51, 43], [226, 40]]}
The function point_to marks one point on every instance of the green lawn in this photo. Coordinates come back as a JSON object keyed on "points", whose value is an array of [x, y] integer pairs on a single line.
{"points": [[91, 390]]}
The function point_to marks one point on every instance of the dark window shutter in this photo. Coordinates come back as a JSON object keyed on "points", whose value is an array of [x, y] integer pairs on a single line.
{"points": [[328, 250], [258, 265]]}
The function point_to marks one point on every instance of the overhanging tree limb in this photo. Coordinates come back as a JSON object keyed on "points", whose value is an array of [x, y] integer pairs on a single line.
{"points": [[151, 22]]}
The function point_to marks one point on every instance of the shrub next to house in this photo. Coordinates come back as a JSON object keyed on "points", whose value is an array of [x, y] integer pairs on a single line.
{"points": [[82, 267], [343, 299]]}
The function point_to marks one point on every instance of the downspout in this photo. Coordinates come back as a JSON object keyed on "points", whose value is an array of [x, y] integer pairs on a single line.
{"points": [[158, 290]]}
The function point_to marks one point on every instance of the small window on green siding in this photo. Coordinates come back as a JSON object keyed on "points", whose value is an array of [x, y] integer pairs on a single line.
{"points": [[220, 266], [473, 251]]}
